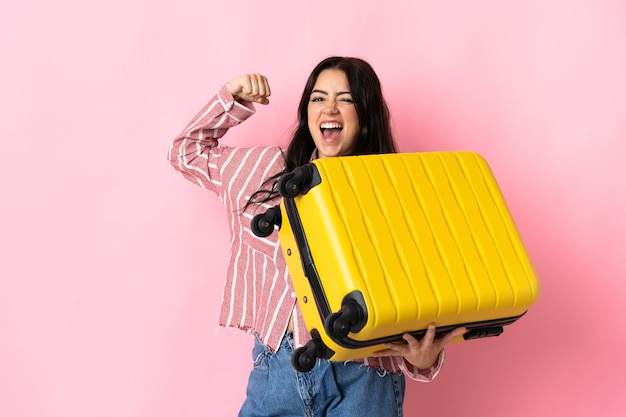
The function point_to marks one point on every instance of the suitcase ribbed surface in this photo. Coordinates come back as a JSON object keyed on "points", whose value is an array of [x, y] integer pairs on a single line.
{"points": [[426, 237]]}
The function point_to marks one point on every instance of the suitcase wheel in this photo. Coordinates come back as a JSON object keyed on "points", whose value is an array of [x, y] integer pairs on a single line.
{"points": [[338, 325], [262, 225], [292, 184], [350, 318], [303, 358]]}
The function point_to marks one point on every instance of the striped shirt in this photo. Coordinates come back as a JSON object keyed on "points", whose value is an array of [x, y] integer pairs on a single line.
{"points": [[258, 296]]}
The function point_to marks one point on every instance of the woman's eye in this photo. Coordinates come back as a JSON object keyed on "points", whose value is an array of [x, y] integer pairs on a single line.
{"points": [[320, 99]]}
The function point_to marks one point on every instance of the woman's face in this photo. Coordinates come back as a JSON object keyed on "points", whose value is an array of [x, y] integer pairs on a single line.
{"points": [[332, 117]]}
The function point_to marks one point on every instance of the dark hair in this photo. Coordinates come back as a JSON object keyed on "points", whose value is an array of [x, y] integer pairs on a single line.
{"points": [[374, 136]]}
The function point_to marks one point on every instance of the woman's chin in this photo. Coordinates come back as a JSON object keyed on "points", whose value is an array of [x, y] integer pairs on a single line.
{"points": [[327, 150]]}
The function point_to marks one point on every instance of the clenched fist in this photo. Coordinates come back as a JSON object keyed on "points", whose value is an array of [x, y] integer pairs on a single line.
{"points": [[250, 87]]}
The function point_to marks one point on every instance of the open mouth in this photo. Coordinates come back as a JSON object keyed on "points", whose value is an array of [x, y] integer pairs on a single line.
{"points": [[331, 130]]}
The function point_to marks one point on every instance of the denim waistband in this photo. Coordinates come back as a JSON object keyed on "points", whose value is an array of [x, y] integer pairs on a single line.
{"points": [[287, 340]]}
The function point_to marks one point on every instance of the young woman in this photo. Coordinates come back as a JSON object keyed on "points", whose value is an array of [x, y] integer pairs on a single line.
{"points": [[342, 112]]}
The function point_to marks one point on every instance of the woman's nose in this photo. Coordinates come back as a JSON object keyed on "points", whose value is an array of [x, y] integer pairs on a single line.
{"points": [[330, 107]]}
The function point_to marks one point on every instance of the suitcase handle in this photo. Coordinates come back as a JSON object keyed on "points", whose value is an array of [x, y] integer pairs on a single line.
{"points": [[483, 332]]}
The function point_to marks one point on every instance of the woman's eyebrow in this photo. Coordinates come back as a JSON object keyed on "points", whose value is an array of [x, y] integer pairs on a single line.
{"points": [[325, 93]]}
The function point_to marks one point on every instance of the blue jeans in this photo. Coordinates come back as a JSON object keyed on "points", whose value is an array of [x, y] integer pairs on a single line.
{"points": [[336, 389]]}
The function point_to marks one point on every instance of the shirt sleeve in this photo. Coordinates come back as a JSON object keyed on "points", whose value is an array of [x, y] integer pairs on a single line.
{"points": [[423, 375], [194, 152]]}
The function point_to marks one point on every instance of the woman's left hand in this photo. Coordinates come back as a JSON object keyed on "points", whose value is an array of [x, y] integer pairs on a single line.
{"points": [[423, 353]]}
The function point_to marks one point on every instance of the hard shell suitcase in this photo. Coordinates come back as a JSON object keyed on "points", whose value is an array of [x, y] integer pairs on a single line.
{"points": [[381, 245]]}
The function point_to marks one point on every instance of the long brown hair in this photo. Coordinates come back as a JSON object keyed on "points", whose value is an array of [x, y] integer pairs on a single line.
{"points": [[374, 136]]}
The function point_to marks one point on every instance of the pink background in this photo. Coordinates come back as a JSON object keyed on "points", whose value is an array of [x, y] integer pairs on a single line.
{"points": [[111, 265]]}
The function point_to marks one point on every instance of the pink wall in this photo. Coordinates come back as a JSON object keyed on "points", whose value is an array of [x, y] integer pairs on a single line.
{"points": [[111, 265]]}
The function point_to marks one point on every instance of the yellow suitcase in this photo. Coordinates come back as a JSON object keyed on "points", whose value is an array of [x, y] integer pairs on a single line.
{"points": [[381, 245]]}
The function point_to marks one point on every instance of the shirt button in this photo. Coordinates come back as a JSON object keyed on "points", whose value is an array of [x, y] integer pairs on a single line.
{"points": [[293, 294]]}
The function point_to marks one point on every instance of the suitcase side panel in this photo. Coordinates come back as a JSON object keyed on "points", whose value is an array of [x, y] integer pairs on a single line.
{"points": [[405, 274], [427, 237], [512, 252], [498, 275], [338, 272], [390, 273], [469, 272]]}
